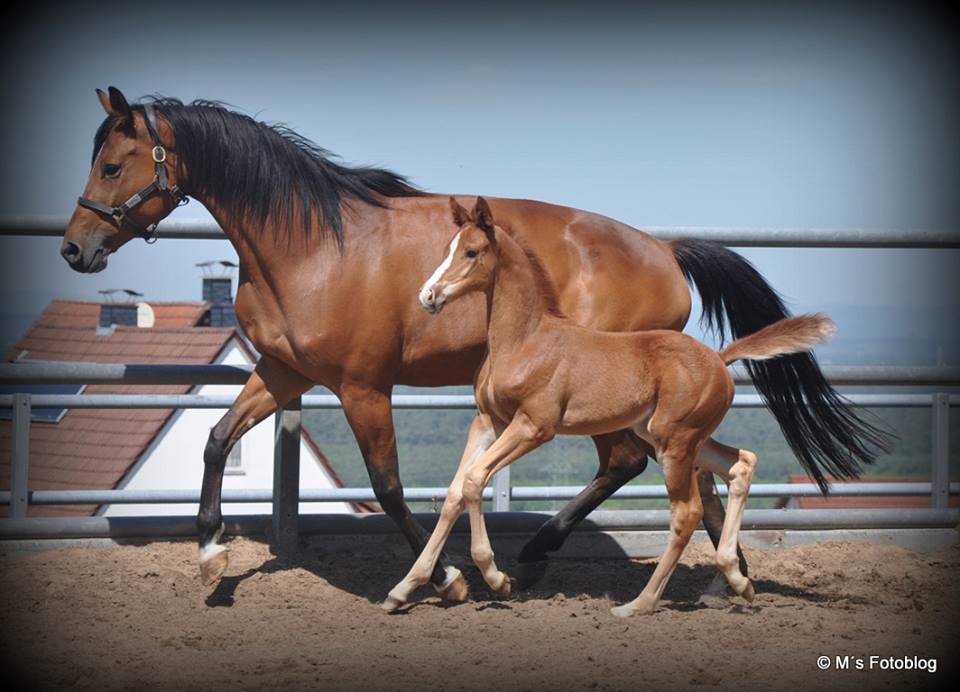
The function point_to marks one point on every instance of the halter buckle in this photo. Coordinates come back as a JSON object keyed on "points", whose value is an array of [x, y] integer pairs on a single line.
{"points": [[159, 154]]}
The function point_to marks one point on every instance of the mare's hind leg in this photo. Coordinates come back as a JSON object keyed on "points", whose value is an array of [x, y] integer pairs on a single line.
{"points": [[736, 466], [622, 456], [271, 386], [686, 510], [369, 413]]}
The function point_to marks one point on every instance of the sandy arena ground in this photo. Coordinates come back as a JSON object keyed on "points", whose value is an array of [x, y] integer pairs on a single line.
{"points": [[137, 618]]}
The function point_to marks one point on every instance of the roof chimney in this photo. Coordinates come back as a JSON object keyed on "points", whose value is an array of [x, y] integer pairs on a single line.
{"points": [[218, 291], [113, 313]]}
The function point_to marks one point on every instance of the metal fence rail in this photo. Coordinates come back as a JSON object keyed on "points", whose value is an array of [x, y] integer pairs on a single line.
{"points": [[285, 496], [53, 226], [117, 373]]}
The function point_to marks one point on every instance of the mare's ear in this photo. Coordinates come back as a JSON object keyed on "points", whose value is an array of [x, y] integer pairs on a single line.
{"points": [[116, 106], [483, 217], [460, 215]]}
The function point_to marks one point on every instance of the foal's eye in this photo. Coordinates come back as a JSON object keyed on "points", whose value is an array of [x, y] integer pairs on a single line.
{"points": [[111, 170], [471, 253]]}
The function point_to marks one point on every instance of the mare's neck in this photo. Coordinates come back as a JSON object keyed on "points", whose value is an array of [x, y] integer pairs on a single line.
{"points": [[516, 305], [265, 251]]}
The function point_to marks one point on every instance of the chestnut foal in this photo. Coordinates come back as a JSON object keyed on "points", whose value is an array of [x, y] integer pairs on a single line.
{"points": [[544, 376]]}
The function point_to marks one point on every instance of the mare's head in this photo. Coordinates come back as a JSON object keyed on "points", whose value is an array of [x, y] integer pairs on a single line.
{"points": [[470, 260], [132, 184]]}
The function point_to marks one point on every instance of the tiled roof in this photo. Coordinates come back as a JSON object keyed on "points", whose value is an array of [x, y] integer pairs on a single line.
{"points": [[94, 448]]}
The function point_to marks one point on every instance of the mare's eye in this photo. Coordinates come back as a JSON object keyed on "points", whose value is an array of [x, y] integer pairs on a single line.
{"points": [[111, 170], [471, 253]]}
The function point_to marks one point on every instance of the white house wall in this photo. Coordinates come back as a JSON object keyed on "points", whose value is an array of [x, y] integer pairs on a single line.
{"points": [[175, 460]]}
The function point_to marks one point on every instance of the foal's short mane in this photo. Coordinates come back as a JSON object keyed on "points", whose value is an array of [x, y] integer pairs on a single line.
{"points": [[265, 174], [542, 279]]}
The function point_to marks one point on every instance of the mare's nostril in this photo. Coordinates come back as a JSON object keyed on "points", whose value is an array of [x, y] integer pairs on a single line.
{"points": [[70, 251]]}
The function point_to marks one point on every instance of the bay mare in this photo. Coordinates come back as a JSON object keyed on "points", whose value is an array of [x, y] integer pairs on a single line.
{"points": [[331, 257], [545, 375]]}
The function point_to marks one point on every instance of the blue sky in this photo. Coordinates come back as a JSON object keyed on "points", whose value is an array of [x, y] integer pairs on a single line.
{"points": [[669, 114]]}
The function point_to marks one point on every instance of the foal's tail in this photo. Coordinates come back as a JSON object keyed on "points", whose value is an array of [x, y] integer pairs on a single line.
{"points": [[789, 335], [818, 423]]}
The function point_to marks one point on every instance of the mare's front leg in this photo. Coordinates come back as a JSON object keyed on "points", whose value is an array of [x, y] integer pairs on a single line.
{"points": [[481, 436], [622, 456], [369, 414], [271, 386]]}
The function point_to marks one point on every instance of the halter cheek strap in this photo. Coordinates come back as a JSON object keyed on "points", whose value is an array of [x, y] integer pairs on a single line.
{"points": [[160, 184]]}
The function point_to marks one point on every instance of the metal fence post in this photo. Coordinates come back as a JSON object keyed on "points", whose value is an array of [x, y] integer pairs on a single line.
{"points": [[940, 472], [501, 490], [20, 462], [286, 479]]}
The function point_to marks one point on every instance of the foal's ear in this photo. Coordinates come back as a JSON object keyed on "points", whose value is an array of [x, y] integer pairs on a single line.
{"points": [[482, 216], [115, 104], [460, 215]]}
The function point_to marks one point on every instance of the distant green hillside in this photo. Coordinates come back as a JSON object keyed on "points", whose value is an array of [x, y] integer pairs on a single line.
{"points": [[430, 443]]}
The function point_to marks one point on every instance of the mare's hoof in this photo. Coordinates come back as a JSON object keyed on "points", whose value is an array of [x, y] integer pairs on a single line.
{"points": [[455, 587], [213, 565], [748, 593], [529, 573]]}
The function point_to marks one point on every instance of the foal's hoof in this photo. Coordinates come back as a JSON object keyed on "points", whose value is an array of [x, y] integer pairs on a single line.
{"points": [[505, 587], [454, 588], [529, 573], [748, 593], [713, 600], [392, 604], [213, 564], [633, 608]]}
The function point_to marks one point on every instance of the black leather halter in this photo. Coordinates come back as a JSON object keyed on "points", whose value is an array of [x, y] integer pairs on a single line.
{"points": [[121, 214]]}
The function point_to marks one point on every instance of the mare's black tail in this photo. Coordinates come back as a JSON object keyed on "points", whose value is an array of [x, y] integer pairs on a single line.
{"points": [[817, 422]]}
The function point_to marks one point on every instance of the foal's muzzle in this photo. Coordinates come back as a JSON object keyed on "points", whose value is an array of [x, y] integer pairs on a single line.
{"points": [[432, 300]]}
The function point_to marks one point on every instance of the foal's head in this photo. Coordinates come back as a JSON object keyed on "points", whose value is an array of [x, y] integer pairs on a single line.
{"points": [[470, 261]]}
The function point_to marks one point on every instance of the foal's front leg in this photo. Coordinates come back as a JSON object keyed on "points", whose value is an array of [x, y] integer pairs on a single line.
{"points": [[517, 439], [481, 436], [520, 437]]}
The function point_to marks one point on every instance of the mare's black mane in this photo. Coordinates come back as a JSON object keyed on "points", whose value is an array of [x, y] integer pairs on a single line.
{"points": [[263, 174]]}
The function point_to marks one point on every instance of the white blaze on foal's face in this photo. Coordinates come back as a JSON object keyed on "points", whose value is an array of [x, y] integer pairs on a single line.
{"points": [[429, 294]]}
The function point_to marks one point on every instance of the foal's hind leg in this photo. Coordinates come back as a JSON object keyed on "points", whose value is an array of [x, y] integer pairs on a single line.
{"points": [[737, 467], [271, 386], [717, 593], [686, 511], [623, 456]]}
